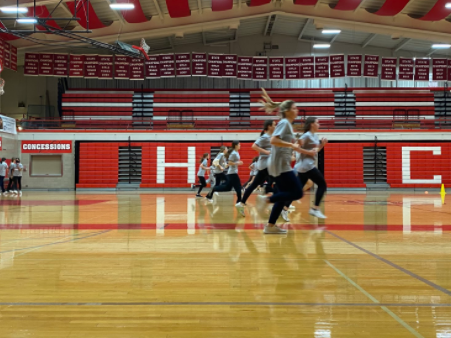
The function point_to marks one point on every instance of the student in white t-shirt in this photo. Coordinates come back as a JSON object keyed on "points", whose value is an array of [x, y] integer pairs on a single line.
{"points": [[17, 176]]}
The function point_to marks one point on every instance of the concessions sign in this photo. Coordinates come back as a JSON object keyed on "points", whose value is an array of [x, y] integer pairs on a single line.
{"points": [[46, 147]]}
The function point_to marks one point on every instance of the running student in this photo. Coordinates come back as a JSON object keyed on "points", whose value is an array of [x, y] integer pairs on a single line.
{"points": [[220, 163], [3, 173], [201, 173], [254, 170], [263, 147], [233, 180], [306, 165], [279, 164]]}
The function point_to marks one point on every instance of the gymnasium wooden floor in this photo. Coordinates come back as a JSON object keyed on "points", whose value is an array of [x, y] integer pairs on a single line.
{"points": [[168, 265]]}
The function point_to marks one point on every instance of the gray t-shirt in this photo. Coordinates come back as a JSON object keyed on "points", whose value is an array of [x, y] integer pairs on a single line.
{"points": [[16, 171], [233, 157], [201, 171], [11, 169], [280, 158], [221, 159], [254, 170], [306, 162], [3, 169], [263, 142]]}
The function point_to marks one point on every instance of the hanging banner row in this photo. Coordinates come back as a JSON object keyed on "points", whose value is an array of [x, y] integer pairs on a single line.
{"points": [[232, 66], [8, 55]]}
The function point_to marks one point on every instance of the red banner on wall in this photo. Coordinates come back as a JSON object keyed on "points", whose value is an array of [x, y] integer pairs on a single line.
{"points": [[76, 65], [61, 65], [31, 65], [276, 68], [439, 69], [215, 65], [45, 64], [167, 65], [199, 64], [371, 66], [91, 66], [6, 55], [422, 69], [13, 58], [136, 69], [152, 67], [388, 71], [322, 67], [106, 67], [292, 68], [244, 68], [406, 69], [46, 147], [183, 65], [354, 68], [121, 67], [260, 68], [337, 66], [229, 65], [307, 67]]}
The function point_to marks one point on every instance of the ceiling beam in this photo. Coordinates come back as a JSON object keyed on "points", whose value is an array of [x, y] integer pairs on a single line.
{"points": [[157, 6], [273, 25], [431, 52], [267, 25], [334, 38], [402, 44], [199, 5], [368, 40], [359, 6], [309, 21]]}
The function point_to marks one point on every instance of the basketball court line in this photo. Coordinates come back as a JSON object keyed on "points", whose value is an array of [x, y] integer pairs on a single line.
{"points": [[386, 261]]}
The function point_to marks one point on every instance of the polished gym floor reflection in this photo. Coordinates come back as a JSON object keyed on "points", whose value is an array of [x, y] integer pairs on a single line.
{"points": [[170, 265]]}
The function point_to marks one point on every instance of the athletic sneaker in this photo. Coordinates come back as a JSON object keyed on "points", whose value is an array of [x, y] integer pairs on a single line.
{"points": [[15, 192], [5, 193], [216, 194], [20, 193], [240, 208], [317, 213], [274, 230], [292, 207], [285, 215], [209, 200], [199, 196], [192, 186]]}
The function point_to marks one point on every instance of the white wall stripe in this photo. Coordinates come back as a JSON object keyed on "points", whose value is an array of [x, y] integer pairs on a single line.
{"points": [[190, 104], [303, 104], [394, 104], [97, 104]]}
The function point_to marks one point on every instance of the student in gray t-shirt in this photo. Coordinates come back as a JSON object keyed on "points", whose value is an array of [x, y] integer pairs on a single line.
{"points": [[306, 164], [254, 171], [233, 180], [220, 164], [203, 167], [3, 173], [279, 164]]}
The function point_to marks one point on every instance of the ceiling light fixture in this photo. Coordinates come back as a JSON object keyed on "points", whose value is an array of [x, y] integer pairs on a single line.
{"points": [[27, 20], [122, 6], [14, 9], [448, 5], [331, 31], [441, 46], [321, 45]]}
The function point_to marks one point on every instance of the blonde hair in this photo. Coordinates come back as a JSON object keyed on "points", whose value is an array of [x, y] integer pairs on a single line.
{"points": [[269, 106]]}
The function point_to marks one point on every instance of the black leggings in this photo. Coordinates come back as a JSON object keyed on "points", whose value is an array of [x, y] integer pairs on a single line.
{"points": [[219, 178], [18, 182], [259, 179], [317, 178], [289, 189], [203, 184], [233, 181]]}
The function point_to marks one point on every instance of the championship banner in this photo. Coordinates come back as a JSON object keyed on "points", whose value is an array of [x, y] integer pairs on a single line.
{"points": [[276, 68], [322, 67], [307, 68], [31, 64], [46, 64], [91, 66], [8, 125], [121, 67], [260, 68], [46, 147], [6, 55], [76, 65], [292, 68], [388, 70], [422, 69], [152, 67], [199, 64], [337, 66], [136, 69], [2, 51], [229, 64], [354, 66], [215, 65], [106, 67], [61, 65], [167, 65], [183, 65], [371, 66], [406, 69], [244, 67], [13, 58], [439, 69]]}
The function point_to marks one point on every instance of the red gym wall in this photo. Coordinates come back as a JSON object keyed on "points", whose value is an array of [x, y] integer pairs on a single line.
{"points": [[98, 164]]}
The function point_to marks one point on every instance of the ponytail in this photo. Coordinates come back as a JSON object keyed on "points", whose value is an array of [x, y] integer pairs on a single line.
{"points": [[269, 106], [204, 156], [232, 148], [266, 125], [308, 122]]}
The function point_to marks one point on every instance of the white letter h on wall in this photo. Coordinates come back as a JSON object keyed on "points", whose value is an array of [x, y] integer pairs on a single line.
{"points": [[162, 165]]}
